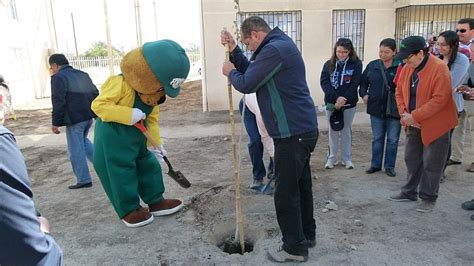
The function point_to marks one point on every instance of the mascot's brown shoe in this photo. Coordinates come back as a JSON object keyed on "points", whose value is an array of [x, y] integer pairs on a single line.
{"points": [[137, 218], [165, 207]]}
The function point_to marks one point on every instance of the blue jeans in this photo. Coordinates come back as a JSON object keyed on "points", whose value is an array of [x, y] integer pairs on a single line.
{"points": [[381, 128], [80, 149], [255, 145], [341, 140]]}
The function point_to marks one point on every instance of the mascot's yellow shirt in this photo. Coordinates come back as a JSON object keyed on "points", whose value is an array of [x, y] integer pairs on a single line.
{"points": [[115, 104]]}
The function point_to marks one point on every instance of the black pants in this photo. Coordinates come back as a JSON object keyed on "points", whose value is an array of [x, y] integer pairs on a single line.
{"points": [[293, 191]]}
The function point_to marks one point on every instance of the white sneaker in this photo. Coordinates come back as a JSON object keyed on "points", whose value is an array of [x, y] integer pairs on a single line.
{"points": [[329, 165], [348, 165]]}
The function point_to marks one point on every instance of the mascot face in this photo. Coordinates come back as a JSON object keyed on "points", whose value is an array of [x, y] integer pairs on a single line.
{"points": [[155, 70], [154, 98]]}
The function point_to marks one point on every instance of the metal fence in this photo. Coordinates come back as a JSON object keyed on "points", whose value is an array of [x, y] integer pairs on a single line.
{"points": [[424, 20], [98, 67]]}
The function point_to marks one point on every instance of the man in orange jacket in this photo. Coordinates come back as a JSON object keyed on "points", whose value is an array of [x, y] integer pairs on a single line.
{"points": [[428, 113]]}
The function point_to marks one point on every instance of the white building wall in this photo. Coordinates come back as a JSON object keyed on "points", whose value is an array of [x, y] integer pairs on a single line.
{"points": [[316, 37], [24, 50]]}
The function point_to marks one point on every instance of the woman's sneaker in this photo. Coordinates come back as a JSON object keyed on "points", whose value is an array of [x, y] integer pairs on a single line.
{"points": [[348, 164], [329, 164], [257, 184]]}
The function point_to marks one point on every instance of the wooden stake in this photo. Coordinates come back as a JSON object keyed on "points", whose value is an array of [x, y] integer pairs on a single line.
{"points": [[240, 221]]}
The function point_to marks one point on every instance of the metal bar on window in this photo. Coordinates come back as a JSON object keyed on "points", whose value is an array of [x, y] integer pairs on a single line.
{"points": [[429, 19], [288, 21]]}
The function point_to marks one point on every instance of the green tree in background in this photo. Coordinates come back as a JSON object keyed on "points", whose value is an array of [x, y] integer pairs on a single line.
{"points": [[100, 49]]}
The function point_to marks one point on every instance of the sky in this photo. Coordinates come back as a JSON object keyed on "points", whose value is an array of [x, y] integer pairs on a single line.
{"points": [[176, 19]]}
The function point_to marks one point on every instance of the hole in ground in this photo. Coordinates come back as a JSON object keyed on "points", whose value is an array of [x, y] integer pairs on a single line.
{"points": [[232, 246]]}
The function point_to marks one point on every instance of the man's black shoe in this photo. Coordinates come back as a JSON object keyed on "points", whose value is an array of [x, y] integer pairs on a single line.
{"points": [[372, 170], [468, 205], [451, 162], [311, 243], [390, 172], [76, 186]]}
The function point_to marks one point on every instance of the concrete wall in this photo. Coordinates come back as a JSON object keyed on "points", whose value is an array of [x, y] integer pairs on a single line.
{"points": [[316, 38]]}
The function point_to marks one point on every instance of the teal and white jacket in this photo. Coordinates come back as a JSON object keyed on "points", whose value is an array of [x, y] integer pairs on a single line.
{"points": [[276, 72]]}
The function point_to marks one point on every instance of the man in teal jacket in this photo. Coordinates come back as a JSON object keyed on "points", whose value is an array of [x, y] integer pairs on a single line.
{"points": [[276, 72]]}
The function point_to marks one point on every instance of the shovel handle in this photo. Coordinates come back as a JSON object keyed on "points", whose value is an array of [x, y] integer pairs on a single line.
{"points": [[168, 163], [141, 126], [176, 175]]}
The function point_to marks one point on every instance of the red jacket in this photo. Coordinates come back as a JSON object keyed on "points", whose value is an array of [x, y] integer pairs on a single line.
{"points": [[435, 108]]}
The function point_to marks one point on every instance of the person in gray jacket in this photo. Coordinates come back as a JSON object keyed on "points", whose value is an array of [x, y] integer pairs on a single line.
{"points": [[24, 238]]}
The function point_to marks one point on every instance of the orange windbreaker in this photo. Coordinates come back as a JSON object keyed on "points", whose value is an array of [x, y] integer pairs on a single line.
{"points": [[435, 108]]}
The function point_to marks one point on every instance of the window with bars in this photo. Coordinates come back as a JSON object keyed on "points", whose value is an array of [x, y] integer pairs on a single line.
{"points": [[427, 20], [349, 23], [288, 21]]}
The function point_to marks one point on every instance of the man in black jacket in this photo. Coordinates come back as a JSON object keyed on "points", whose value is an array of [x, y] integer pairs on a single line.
{"points": [[72, 93]]}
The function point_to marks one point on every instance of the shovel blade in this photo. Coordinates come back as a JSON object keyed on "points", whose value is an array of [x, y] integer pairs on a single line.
{"points": [[179, 178], [268, 188]]}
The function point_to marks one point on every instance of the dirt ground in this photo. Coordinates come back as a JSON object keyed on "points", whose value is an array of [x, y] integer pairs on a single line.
{"points": [[367, 229]]}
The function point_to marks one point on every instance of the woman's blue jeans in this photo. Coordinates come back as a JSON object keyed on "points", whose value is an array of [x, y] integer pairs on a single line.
{"points": [[384, 129], [255, 145], [80, 150]]}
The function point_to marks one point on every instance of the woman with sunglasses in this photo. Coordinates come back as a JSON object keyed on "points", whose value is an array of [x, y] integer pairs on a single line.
{"points": [[448, 45], [340, 78]]}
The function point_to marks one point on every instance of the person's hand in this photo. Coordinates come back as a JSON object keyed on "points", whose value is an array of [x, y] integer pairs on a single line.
{"points": [[44, 224], [407, 120], [137, 115], [227, 67], [55, 129], [463, 89], [226, 38], [159, 153], [365, 99], [340, 102]]}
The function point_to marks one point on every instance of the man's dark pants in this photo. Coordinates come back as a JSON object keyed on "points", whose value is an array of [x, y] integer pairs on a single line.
{"points": [[293, 191], [425, 164]]}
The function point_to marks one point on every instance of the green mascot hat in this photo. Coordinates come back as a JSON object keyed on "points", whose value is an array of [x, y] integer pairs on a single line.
{"points": [[156, 65]]}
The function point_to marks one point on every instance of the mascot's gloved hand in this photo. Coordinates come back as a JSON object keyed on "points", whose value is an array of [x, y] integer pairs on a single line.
{"points": [[137, 115], [159, 153]]}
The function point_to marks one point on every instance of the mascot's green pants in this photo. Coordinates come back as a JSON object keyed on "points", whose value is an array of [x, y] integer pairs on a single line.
{"points": [[126, 169]]}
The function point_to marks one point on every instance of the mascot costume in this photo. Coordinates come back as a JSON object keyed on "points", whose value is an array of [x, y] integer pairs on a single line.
{"points": [[127, 169]]}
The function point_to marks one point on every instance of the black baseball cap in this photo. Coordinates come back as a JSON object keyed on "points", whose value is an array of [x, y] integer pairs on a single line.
{"points": [[409, 45], [58, 59]]}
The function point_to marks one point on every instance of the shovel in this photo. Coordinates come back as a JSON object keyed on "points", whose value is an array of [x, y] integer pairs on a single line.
{"points": [[176, 175], [267, 189]]}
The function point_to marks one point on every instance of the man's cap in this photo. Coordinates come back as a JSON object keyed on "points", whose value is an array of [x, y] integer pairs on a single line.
{"points": [[336, 120], [58, 59], [169, 63], [409, 45]]}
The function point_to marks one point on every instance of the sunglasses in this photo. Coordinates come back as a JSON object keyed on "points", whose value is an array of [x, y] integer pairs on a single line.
{"points": [[461, 30]]}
